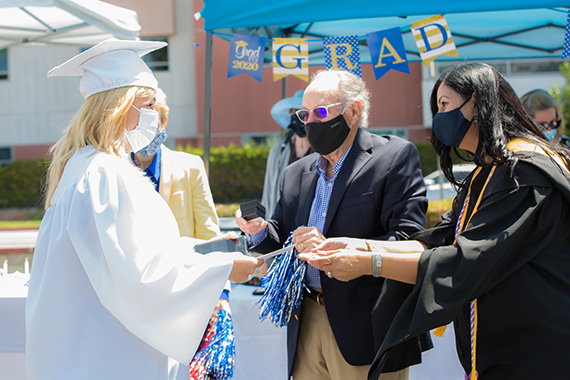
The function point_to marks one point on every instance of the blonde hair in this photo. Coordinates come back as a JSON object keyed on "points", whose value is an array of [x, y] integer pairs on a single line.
{"points": [[99, 122], [161, 106]]}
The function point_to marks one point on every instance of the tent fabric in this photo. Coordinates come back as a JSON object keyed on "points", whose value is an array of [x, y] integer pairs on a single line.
{"points": [[64, 22], [482, 30], [219, 14]]}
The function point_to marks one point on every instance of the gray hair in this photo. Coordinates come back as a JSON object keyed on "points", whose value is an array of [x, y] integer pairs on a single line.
{"points": [[349, 88]]}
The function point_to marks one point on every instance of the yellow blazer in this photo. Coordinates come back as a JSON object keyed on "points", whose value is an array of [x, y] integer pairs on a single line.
{"points": [[185, 187]]}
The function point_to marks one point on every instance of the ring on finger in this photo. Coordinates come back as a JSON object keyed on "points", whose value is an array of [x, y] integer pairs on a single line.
{"points": [[329, 261], [329, 274]]}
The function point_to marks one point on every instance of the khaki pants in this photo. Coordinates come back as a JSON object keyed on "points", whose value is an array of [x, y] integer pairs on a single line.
{"points": [[318, 356]]}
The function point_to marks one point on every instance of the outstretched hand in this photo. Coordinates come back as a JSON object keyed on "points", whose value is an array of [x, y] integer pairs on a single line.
{"points": [[243, 267], [341, 264]]}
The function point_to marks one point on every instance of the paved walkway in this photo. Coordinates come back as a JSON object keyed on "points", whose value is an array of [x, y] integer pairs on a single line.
{"points": [[18, 241], [24, 240]]}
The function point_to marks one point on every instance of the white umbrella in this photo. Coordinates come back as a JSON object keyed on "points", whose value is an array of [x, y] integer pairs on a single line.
{"points": [[64, 22]]}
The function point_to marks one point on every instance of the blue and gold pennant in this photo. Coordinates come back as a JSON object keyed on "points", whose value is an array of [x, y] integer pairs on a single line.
{"points": [[246, 56], [387, 52], [433, 38], [342, 53]]}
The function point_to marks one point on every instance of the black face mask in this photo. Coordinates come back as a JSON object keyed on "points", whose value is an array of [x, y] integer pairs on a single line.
{"points": [[328, 136], [298, 126], [451, 127]]}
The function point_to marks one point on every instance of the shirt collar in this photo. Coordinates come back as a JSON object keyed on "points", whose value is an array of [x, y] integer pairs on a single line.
{"points": [[154, 167], [321, 164]]}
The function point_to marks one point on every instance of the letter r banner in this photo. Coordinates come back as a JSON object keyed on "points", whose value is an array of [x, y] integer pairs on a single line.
{"points": [[342, 53]]}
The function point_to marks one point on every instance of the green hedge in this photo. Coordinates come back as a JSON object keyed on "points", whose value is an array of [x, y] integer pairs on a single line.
{"points": [[236, 175], [21, 183]]}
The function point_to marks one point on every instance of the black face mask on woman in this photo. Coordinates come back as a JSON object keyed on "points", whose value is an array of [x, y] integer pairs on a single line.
{"points": [[327, 136], [451, 127]]}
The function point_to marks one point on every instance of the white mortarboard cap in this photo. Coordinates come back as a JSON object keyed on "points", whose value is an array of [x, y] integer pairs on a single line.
{"points": [[110, 64], [280, 110]]}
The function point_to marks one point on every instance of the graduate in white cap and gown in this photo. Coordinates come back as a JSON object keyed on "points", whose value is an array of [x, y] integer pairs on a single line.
{"points": [[115, 292]]}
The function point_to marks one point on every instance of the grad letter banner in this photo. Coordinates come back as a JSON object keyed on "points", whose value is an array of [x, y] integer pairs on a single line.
{"points": [[387, 52], [566, 48], [290, 57], [246, 56], [342, 53], [433, 38]]}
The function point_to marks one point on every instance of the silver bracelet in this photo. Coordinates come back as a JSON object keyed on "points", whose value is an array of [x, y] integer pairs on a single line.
{"points": [[376, 264]]}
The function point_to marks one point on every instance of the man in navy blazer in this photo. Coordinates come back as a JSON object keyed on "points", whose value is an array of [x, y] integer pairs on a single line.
{"points": [[357, 185]]}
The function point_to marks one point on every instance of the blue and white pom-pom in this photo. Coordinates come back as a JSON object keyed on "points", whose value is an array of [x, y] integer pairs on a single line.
{"points": [[283, 284], [216, 355]]}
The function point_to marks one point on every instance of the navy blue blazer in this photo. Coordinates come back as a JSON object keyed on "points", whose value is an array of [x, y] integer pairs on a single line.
{"points": [[379, 193]]}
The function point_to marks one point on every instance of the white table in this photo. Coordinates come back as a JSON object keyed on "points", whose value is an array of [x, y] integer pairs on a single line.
{"points": [[261, 351], [13, 294], [261, 348]]}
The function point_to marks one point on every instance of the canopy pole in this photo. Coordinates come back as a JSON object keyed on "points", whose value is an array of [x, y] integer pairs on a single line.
{"points": [[208, 103], [283, 87]]}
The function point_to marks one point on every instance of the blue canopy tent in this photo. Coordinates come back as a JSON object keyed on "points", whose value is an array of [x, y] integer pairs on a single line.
{"points": [[481, 30]]}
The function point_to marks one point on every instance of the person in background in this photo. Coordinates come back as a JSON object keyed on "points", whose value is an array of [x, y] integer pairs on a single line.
{"points": [[180, 178], [293, 146], [115, 292], [547, 113], [358, 183], [497, 264]]}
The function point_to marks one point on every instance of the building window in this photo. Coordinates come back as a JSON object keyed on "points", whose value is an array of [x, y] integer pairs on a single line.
{"points": [[4, 64], [400, 132], [5, 155], [157, 60], [260, 139], [520, 66], [535, 67]]}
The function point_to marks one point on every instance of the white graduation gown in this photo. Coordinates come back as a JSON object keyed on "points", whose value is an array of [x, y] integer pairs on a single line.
{"points": [[115, 292]]}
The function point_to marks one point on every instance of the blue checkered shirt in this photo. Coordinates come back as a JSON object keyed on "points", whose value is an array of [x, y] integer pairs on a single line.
{"points": [[318, 214]]}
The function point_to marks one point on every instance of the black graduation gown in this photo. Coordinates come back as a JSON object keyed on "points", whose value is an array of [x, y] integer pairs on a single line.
{"points": [[514, 256]]}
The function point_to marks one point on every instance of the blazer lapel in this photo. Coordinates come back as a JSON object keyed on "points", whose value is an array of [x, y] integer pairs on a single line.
{"points": [[165, 185], [307, 187], [360, 154]]}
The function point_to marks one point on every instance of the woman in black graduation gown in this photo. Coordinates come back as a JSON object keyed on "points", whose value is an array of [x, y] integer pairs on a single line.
{"points": [[498, 264]]}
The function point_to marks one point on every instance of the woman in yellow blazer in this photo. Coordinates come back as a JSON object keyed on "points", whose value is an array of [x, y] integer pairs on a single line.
{"points": [[181, 180], [184, 186]]}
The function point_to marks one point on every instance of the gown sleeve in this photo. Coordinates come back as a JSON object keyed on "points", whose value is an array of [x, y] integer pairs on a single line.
{"points": [[142, 271]]}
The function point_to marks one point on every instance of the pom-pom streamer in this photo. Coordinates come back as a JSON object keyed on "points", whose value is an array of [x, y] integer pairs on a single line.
{"points": [[216, 355], [283, 284]]}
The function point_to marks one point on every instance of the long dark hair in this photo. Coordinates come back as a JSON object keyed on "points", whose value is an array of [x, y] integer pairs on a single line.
{"points": [[500, 117]]}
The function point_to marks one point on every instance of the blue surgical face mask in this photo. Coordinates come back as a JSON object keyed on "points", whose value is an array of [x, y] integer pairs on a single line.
{"points": [[145, 130], [156, 142], [550, 135], [451, 127]]}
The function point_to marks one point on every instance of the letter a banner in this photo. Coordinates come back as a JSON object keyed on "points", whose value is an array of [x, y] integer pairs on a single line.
{"points": [[342, 53], [290, 57], [246, 56], [387, 52], [433, 38]]}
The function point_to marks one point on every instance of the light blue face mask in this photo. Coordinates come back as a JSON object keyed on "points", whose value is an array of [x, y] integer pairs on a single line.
{"points": [[151, 148], [550, 135]]}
